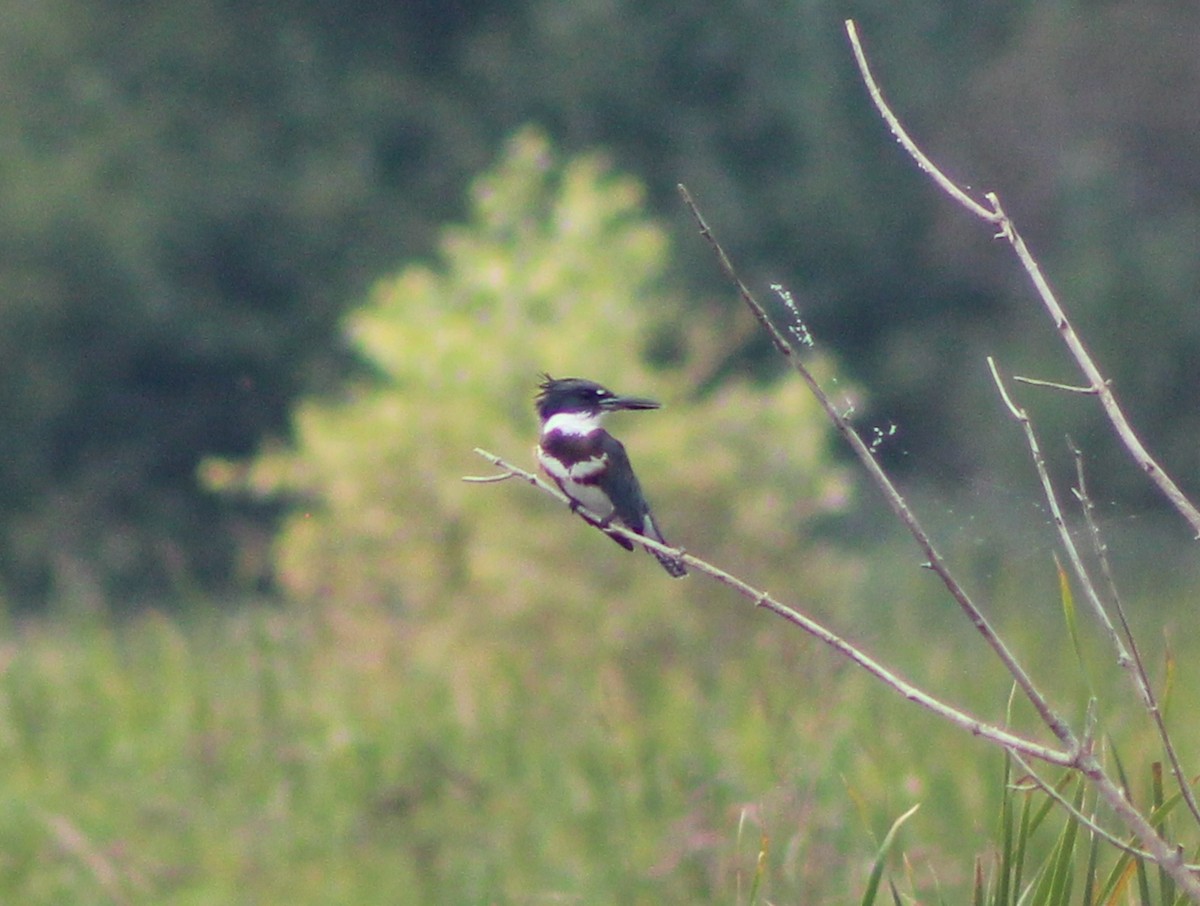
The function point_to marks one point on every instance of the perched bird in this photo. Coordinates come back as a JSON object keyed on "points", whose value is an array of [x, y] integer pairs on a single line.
{"points": [[589, 464]]}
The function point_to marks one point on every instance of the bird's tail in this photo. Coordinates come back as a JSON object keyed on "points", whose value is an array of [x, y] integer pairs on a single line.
{"points": [[670, 564]]}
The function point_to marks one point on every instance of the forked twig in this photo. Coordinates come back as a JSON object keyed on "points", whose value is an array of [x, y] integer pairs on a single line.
{"points": [[1060, 524], [994, 214], [1108, 836], [1082, 756], [1128, 657]]}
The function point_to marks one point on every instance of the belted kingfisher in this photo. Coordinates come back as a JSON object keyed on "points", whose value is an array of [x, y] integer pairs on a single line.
{"points": [[588, 464]]}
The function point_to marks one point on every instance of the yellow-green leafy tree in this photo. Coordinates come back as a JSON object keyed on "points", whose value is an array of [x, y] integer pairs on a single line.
{"points": [[559, 270]]}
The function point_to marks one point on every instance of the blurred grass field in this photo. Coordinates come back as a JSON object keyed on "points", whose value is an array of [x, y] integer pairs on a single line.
{"points": [[344, 754]]}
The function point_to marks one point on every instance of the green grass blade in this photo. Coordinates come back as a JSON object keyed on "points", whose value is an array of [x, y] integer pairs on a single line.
{"points": [[1071, 617], [1023, 832], [881, 857], [1143, 880], [1004, 870], [1008, 871], [1053, 882], [1138, 864], [1166, 886], [1063, 873], [1048, 806], [1118, 880], [1120, 765], [760, 869], [1089, 878]]}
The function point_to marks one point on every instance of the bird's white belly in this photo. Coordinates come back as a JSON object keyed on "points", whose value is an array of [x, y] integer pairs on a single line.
{"points": [[586, 495], [590, 497]]}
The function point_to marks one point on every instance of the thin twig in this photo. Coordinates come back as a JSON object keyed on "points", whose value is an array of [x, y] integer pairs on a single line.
{"points": [[487, 479], [947, 185], [1050, 790], [782, 346], [1145, 687], [1116, 416], [1077, 564], [1055, 385], [1008, 231], [895, 500], [759, 598]]}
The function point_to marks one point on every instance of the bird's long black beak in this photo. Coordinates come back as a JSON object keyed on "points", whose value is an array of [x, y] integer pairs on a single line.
{"points": [[630, 402]]}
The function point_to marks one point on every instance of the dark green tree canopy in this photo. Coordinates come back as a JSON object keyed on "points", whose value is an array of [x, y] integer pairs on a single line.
{"points": [[196, 192]]}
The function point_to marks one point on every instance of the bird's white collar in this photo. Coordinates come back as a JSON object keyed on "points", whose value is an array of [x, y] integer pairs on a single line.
{"points": [[579, 424]]}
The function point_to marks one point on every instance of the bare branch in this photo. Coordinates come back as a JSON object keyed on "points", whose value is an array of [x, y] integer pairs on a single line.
{"points": [[76, 844], [759, 598], [994, 214], [895, 500]]}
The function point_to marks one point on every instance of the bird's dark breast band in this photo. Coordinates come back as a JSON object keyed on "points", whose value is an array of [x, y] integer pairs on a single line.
{"points": [[572, 449]]}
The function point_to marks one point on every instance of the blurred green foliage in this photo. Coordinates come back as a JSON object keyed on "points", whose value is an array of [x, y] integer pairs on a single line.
{"points": [[558, 269], [351, 754], [339, 756], [195, 193]]}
